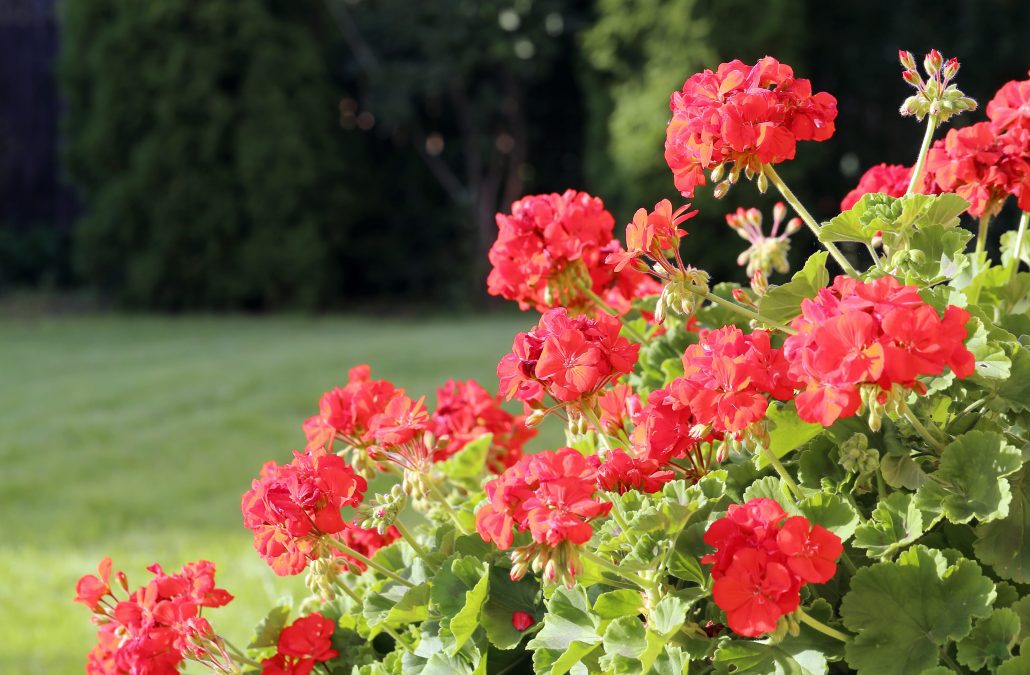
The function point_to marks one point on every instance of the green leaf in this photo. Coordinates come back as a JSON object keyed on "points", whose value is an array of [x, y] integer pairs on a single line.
{"points": [[569, 633], [625, 637], [831, 511], [971, 470], [1019, 665], [1008, 246], [397, 605], [1022, 609], [990, 642], [741, 657], [266, 633], [773, 488], [504, 599], [469, 462], [903, 612], [615, 604], [783, 303], [901, 471], [457, 596], [788, 432], [935, 252], [668, 615], [1004, 544], [895, 523]]}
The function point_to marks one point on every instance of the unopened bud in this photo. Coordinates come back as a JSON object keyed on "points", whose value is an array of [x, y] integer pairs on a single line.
{"points": [[754, 217], [123, 580], [759, 283], [912, 77], [779, 211], [721, 189], [932, 62], [763, 183], [877, 240], [793, 225], [908, 60], [743, 298], [718, 172], [534, 418], [734, 175], [951, 68]]}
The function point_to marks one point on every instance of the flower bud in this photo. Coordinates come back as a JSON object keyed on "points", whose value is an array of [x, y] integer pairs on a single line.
{"points": [[123, 580], [740, 296], [908, 61], [721, 189], [535, 418], [717, 172], [951, 68], [793, 225], [763, 183], [759, 283], [912, 77], [779, 212], [932, 62]]}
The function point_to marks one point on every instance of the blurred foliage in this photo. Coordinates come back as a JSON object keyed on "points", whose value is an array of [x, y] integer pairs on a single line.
{"points": [[317, 154]]}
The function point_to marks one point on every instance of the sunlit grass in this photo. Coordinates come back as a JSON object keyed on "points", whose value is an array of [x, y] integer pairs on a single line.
{"points": [[134, 437]]}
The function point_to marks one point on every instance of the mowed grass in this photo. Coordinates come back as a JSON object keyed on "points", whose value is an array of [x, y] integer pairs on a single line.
{"points": [[135, 437]]}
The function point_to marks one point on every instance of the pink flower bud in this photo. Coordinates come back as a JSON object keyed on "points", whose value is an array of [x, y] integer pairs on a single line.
{"points": [[779, 212], [912, 77], [522, 620], [740, 296], [123, 580], [793, 225], [932, 62], [951, 68], [908, 61]]}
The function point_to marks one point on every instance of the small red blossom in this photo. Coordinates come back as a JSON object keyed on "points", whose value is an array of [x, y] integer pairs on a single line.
{"points": [[303, 644], [291, 506], [762, 559], [570, 358], [366, 541], [889, 179], [400, 421], [668, 429], [619, 407], [157, 626], [549, 249], [619, 472], [746, 115], [550, 494], [91, 588], [877, 333], [346, 412], [652, 233], [465, 411], [522, 621]]}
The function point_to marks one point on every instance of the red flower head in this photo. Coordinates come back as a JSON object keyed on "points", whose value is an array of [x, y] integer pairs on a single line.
{"points": [[973, 163], [870, 334], [761, 563], [345, 413], [889, 179], [652, 233], [619, 406], [621, 473], [746, 115], [568, 358], [365, 541], [291, 506], [465, 411], [302, 644], [549, 249], [159, 624], [728, 376], [91, 588], [667, 429], [400, 421], [551, 494], [1010, 106]]}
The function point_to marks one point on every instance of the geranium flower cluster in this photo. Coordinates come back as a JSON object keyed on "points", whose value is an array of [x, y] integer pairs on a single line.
{"points": [[301, 646], [745, 115], [761, 561], [550, 252], [346, 413], [856, 341], [290, 507], [568, 358], [889, 179], [157, 626], [465, 411], [621, 472], [651, 234], [765, 253]]}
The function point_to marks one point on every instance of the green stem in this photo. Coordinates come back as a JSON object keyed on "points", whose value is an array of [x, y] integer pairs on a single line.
{"points": [[1020, 234], [389, 631], [881, 486], [371, 564], [818, 625], [792, 199], [740, 309], [602, 437], [921, 430], [612, 568], [848, 562], [981, 234], [238, 655], [924, 149], [775, 463], [408, 537], [604, 306], [439, 496]]}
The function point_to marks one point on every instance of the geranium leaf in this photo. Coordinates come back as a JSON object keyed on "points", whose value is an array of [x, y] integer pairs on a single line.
{"points": [[831, 511], [266, 633], [904, 611], [615, 604], [788, 432], [504, 599], [896, 522], [1004, 544], [783, 303], [468, 463], [569, 632], [396, 606], [1019, 665], [990, 642], [790, 657], [968, 483]]}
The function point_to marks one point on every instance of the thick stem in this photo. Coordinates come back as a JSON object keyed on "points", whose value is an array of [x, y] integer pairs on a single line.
{"points": [[818, 625], [442, 500], [924, 149], [371, 564], [612, 568], [981, 233], [743, 311], [602, 437], [608, 309], [800, 209], [775, 463], [408, 537], [922, 430]]}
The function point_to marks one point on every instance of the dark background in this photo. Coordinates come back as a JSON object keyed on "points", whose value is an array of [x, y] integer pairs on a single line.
{"points": [[272, 154]]}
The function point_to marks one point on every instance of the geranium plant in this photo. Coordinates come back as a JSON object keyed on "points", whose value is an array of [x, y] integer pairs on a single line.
{"points": [[819, 475]]}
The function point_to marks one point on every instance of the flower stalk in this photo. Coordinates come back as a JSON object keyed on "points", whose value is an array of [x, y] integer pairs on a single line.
{"points": [[924, 149], [818, 625]]}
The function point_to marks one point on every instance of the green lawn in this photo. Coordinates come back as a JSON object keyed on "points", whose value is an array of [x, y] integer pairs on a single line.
{"points": [[135, 437]]}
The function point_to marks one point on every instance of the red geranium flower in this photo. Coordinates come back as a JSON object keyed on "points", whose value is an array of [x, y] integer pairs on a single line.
{"points": [[1010, 106], [755, 592], [302, 644], [345, 413], [889, 179], [619, 472], [812, 550]]}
